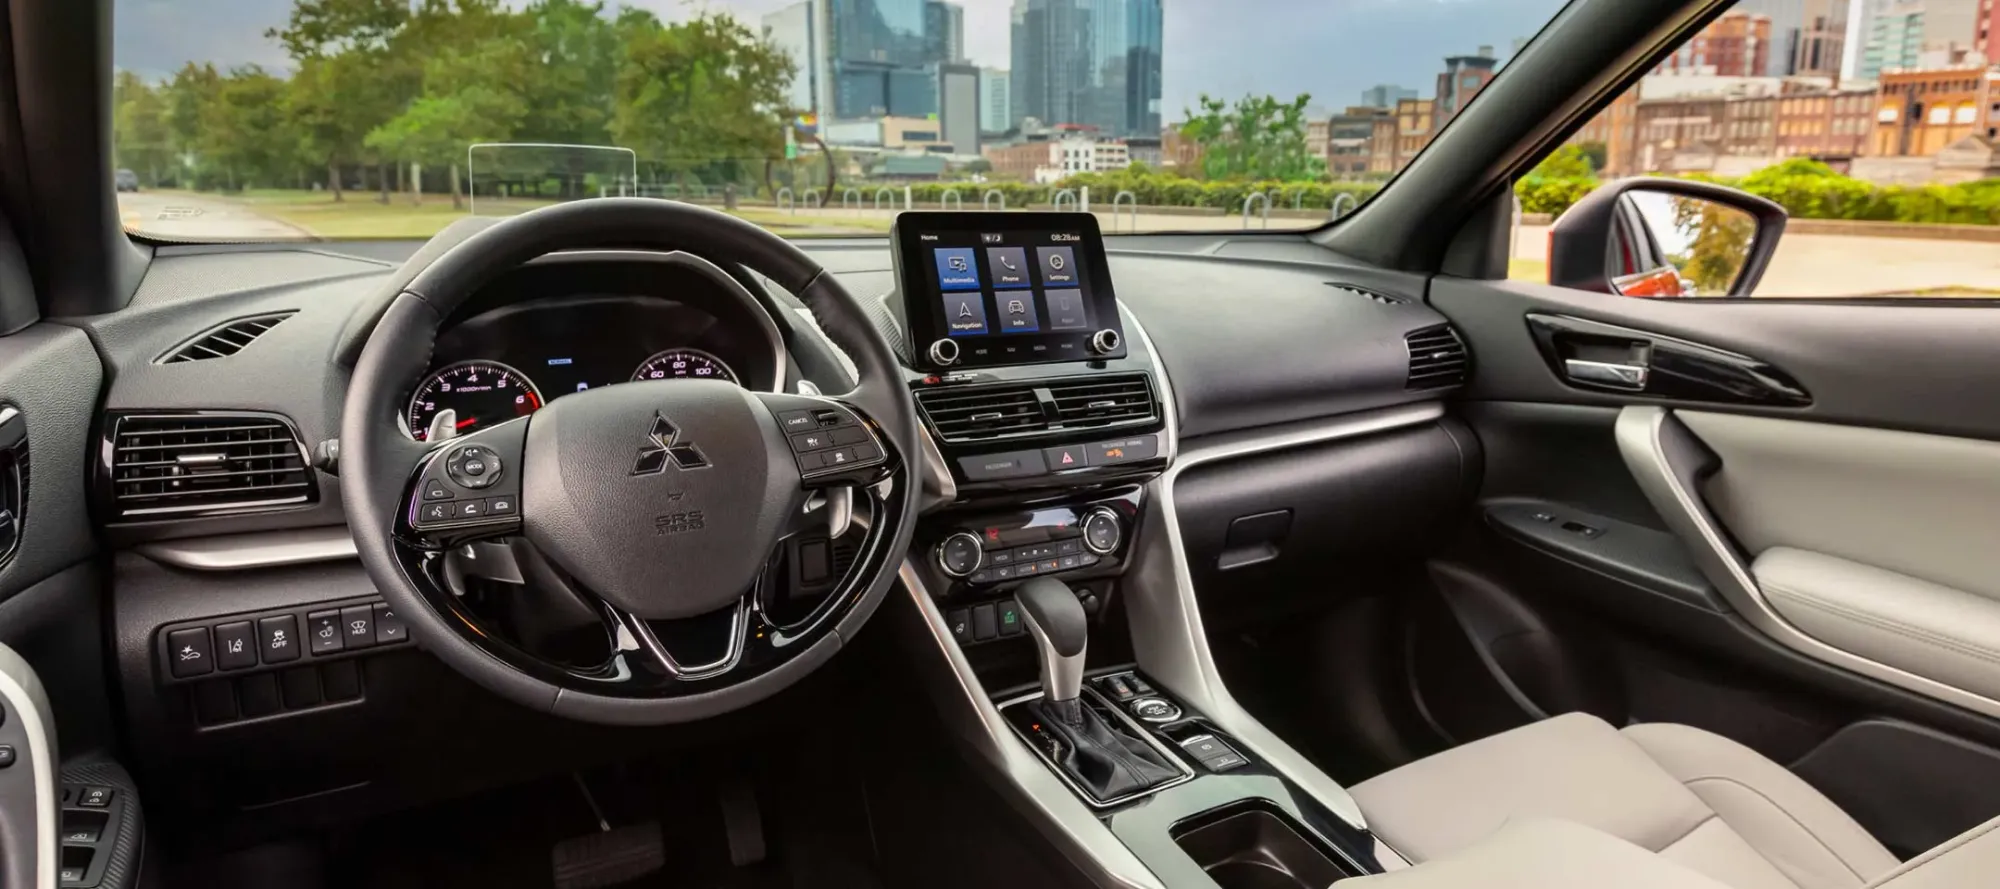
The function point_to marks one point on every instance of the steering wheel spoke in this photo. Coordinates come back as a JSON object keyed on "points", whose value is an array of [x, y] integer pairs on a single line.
{"points": [[683, 650], [465, 490], [833, 441]]}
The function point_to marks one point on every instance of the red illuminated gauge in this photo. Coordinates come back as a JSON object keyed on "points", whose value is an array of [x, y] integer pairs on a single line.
{"points": [[482, 393]]}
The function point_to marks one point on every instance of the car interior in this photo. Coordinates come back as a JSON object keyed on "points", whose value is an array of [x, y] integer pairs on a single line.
{"points": [[625, 542]]}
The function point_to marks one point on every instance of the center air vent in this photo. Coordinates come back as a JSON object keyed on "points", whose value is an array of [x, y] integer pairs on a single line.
{"points": [[1369, 295], [1437, 358], [226, 340], [1006, 410], [167, 465]]}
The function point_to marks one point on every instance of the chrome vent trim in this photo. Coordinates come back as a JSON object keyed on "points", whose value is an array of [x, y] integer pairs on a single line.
{"points": [[998, 411], [204, 464]]}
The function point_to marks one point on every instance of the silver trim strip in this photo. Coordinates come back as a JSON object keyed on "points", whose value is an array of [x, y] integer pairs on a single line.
{"points": [[1137, 730], [22, 690], [262, 549], [1649, 439]]}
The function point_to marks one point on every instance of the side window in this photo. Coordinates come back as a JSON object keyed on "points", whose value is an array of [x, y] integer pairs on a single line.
{"points": [[1875, 127]]}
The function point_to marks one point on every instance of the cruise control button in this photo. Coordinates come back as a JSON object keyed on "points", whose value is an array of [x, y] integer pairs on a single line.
{"points": [[435, 490], [847, 435], [864, 452], [796, 421], [838, 457], [323, 632], [830, 417], [189, 652], [812, 441], [994, 467]]}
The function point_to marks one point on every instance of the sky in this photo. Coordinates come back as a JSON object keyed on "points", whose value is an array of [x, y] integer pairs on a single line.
{"points": [[1332, 49]]}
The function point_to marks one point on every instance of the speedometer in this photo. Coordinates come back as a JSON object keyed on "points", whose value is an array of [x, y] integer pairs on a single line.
{"points": [[687, 364], [482, 394]]}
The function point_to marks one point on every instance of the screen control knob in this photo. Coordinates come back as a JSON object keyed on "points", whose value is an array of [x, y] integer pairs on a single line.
{"points": [[944, 352], [959, 555], [1102, 530], [1105, 342]]}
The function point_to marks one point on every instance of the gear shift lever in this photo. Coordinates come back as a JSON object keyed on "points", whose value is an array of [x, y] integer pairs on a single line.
{"points": [[1061, 633]]}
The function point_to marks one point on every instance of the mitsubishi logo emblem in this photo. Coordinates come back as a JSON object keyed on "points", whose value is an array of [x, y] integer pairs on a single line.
{"points": [[664, 443]]}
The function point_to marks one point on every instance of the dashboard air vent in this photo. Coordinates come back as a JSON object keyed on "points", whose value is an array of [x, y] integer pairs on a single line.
{"points": [[226, 340], [1005, 410], [205, 464], [1437, 358], [1369, 295]]}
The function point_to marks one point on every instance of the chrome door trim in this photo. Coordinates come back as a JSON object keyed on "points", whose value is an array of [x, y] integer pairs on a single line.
{"points": [[1665, 457]]}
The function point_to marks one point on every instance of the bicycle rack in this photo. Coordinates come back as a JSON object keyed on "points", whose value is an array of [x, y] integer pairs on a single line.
{"points": [[1063, 195], [1260, 198], [986, 200], [885, 190], [784, 200], [950, 200], [854, 193], [813, 198], [1335, 213], [1118, 199]]}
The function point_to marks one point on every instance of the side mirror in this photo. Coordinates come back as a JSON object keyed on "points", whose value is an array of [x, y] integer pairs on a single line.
{"points": [[1665, 238]]}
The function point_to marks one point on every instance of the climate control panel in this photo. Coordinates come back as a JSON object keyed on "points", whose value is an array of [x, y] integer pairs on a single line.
{"points": [[997, 550]]}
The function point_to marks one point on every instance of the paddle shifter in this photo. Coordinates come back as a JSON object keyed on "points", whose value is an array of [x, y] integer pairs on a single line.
{"points": [[1100, 754]]}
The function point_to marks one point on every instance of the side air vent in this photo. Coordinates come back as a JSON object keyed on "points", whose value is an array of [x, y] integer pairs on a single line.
{"points": [[1369, 295], [1437, 358], [1006, 410], [172, 465], [226, 340]]}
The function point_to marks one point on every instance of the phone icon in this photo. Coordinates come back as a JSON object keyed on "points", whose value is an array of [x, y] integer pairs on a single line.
{"points": [[1008, 263]]}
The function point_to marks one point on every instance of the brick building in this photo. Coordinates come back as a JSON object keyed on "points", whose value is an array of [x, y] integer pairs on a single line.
{"points": [[1617, 128], [1749, 126], [1679, 133], [1828, 125], [1350, 141], [1919, 112], [1736, 45]]}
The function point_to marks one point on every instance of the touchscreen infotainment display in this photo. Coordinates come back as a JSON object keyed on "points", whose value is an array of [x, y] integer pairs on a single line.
{"points": [[991, 289]]}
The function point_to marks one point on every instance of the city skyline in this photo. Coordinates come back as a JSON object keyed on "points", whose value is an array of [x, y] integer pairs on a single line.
{"points": [[1228, 50]]}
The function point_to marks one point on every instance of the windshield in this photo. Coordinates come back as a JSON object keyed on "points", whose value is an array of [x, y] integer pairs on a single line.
{"points": [[319, 119]]}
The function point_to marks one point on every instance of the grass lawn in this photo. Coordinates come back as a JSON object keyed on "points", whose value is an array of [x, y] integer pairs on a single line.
{"points": [[1528, 270]]}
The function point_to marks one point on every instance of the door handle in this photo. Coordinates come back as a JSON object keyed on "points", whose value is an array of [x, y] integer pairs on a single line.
{"points": [[1605, 373]]}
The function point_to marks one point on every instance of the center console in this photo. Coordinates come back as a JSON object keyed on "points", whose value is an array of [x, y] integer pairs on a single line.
{"points": [[1055, 428]]}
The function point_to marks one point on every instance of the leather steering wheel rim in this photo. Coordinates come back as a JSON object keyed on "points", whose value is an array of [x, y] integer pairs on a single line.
{"points": [[377, 455]]}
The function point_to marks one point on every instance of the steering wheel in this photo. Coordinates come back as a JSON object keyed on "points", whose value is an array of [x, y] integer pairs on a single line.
{"points": [[660, 504]]}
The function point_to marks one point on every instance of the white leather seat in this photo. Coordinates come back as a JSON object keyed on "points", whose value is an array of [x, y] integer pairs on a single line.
{"points": [[1699, 800]]}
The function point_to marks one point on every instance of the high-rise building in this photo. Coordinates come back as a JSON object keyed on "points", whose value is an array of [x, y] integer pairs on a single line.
{"points": [[798, 31], [1988, 36], [879, 55], [1385, 95], [1463, 77], [1895, 40], [1951, 29], [996, 104], [944, 27], [1820, 46], [1787, 18], [958, 107], [1736, 45], [1094, 63]]}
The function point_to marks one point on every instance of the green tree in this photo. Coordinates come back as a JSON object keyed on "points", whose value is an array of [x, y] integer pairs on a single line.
{"points": [[352, 74], [141, 141], [1597, 153], [1259, 137], [186, 97], [477, 86], [1567, 162], [1719, 239], [703, 96], [246, 136]]}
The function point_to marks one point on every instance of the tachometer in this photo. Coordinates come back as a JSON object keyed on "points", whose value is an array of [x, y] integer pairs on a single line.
{"points": [[482, 393], [689, 364]]}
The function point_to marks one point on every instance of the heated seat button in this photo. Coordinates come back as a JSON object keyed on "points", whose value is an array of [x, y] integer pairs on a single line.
{"points": [[357, 626], [323, 634], [190, 653], [235, 645], [278, 639]]}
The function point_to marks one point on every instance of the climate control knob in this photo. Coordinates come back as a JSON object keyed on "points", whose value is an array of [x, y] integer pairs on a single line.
{"points": [[960, 555], [944, 352], [1103, 530], [1105, 342]]}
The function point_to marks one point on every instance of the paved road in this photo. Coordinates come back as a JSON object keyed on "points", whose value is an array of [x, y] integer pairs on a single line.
{"points": [[195, 218], [1849, 265]]}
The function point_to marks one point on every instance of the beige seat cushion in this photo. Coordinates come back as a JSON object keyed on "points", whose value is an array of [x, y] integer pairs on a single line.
{"points": [[1693, 797]]}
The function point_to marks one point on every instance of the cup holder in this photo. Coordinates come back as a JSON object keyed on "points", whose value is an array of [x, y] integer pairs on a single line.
{"points": [[1256, 845]]}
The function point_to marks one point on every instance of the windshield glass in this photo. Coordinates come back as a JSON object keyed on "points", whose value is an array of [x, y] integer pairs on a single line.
{"points": [[314, 119]]}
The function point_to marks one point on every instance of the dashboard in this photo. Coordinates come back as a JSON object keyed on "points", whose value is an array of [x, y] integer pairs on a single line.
{"points": [[587, 327]]}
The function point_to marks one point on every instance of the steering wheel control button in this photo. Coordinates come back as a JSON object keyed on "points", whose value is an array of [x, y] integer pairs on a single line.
{"points": [[812, 441], [323, 632], [473, 466], [235, 646], [997, 467], [497, 507], [189, 653], [796, 421], [437, 512], [1124, 450], [435, 490], [1102, 531], [278, 639], [469, 509], [959, 555], [1155, 710], [357, 626], [389, 629]]}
